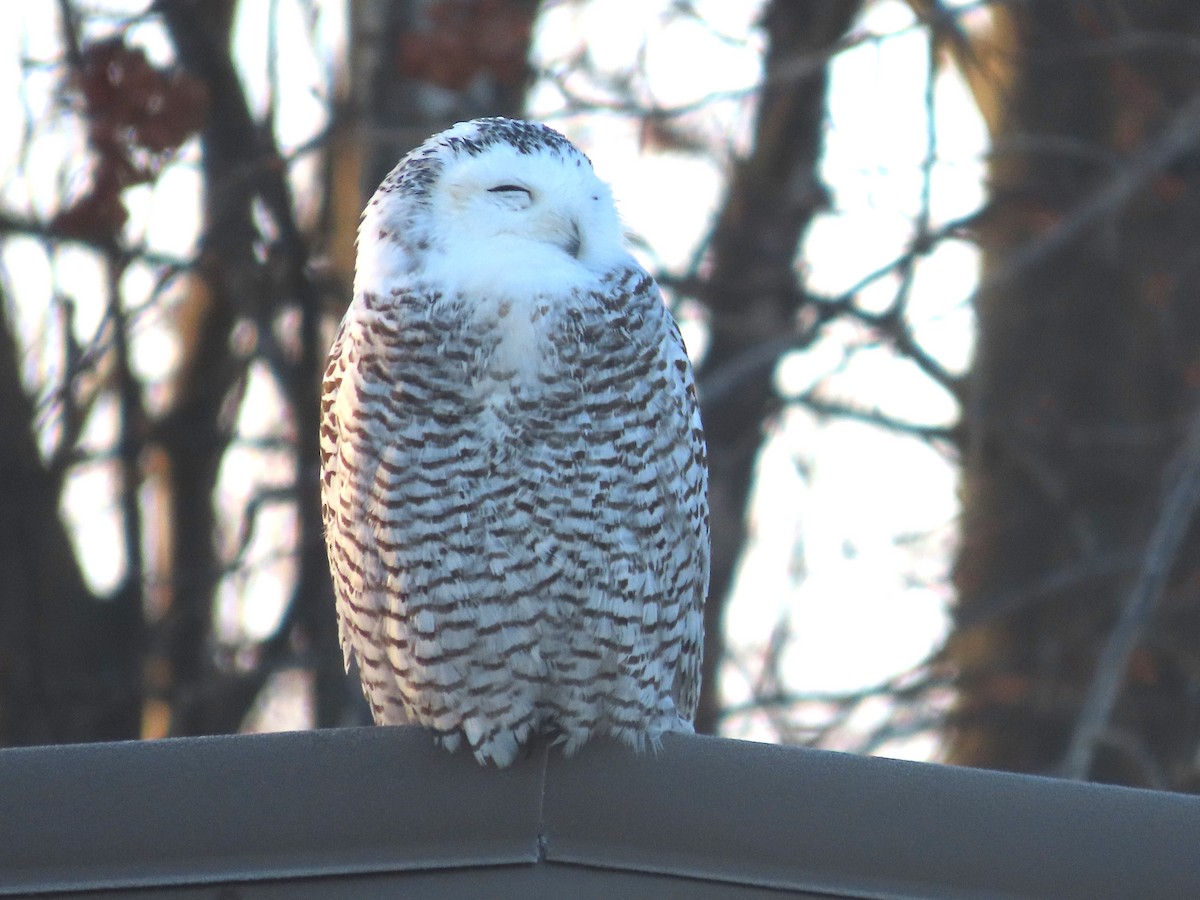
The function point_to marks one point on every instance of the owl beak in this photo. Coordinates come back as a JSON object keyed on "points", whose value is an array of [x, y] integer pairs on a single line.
{"points": [[572, 241]]}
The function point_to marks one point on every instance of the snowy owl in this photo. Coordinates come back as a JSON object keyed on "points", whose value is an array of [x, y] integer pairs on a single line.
{"points": [[514, 484]]}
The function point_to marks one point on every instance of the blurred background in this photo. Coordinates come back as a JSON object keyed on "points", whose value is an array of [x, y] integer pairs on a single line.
{"points": [[938, 265]]}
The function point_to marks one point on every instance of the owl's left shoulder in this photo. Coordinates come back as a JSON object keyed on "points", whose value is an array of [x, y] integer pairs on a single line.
{"points": [[624, 276], [630, 290]]}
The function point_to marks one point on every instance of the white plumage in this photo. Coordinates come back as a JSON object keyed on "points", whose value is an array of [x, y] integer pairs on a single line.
{"points": [[513, 471]]}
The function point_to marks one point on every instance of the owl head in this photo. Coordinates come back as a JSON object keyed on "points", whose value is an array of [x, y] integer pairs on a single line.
{"points": [[491, 192]]}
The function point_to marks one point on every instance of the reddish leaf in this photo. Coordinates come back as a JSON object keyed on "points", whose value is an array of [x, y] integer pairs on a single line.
{"points": [[467, 38]]}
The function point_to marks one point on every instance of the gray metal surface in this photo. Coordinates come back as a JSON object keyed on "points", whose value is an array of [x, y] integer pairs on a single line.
{"points": [[251, 807], [379, 812], [849, 826]]}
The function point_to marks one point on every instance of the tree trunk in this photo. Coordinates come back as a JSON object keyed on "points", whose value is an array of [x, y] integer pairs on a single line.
{"points": [[1085, 378], [752, 292], [69, 661], [419, 66]]}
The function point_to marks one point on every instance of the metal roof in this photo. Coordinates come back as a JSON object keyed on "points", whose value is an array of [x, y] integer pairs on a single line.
{"points": [[374, 812]]}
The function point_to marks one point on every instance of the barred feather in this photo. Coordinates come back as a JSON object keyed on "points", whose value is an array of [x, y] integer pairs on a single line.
{"points": [[513, 477]]}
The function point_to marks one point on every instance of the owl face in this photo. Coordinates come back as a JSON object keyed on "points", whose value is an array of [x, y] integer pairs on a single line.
{"points": [[526, 203], [493, 201]]}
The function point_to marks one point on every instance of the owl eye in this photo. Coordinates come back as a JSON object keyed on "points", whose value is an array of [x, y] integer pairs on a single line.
{"points": [[510, 189], [512, 196]]}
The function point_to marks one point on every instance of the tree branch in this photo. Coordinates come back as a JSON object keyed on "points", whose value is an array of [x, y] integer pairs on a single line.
{"points": [[1180, 500]]}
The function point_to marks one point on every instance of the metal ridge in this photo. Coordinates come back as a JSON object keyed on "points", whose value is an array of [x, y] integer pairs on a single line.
{"points": [[749, 819]]}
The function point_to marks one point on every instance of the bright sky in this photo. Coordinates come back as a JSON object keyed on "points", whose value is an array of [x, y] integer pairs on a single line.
{"points": [[853, 528]]}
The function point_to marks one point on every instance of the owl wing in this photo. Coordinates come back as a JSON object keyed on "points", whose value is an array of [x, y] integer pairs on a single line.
{"points": [[652, 521], [684, 477], [357, 425], [338, 483]]}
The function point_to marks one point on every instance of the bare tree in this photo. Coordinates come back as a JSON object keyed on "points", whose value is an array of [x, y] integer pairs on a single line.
{"points": [[1074, 639], [254, 303], [252, 307], [751, 288]]}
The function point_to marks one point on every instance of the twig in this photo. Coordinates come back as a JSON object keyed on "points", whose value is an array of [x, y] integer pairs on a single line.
{"points": [[1181, 497], [992, 607], [874, 416], [18, 225], [130, 437], [1178, 139]]}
